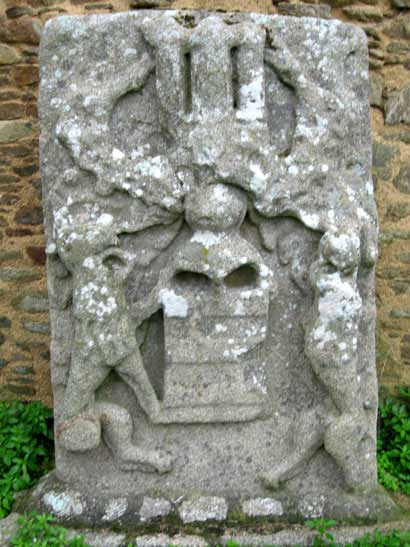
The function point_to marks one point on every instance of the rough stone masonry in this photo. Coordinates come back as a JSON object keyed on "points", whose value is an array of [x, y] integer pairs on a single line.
{"points": [[211, 239]]}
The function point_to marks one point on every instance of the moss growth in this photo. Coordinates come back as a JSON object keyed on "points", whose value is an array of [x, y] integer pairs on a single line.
{"points": [[205, 253]]}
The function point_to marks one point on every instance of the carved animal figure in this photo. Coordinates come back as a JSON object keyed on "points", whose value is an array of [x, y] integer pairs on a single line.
{"points": [[104, 340]]}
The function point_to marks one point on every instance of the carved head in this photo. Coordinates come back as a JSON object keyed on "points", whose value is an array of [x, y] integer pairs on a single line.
{"points": [[217, 207], [341, 250], [77, 243]]}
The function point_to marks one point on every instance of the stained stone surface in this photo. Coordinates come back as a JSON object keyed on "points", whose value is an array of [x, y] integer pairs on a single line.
{"points": [[262, 507], [203, 509], [154, 507], [211, 239]]}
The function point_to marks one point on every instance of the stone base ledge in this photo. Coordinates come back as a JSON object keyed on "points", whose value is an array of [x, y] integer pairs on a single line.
{"points": [[209, 514], [287, 537]]}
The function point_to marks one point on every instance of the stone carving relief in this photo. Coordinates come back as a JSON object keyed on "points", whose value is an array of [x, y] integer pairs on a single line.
{"points": [[202, 173]]}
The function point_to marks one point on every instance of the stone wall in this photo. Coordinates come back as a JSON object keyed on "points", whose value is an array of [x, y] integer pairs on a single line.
{"points": [[24, 328]]}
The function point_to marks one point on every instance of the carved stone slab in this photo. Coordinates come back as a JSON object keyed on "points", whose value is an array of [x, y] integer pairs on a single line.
{"points": [[212, 238]]}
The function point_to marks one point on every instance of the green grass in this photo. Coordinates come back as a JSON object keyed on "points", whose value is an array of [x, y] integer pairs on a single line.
{"points": [[41, 531], [26, 448], [325, 538], [393, 445]]}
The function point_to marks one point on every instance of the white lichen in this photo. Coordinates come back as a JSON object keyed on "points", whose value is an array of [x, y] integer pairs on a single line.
{"points": [[174, 304], [206, 238]]}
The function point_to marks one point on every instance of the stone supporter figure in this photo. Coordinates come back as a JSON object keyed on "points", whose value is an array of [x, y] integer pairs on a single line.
{"points": [[104, 340], [331, 344]]}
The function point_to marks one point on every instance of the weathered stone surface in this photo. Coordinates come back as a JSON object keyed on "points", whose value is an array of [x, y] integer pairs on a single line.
{"points": [[12, 111], [22, 381], [37, 253], [305, 10], [29, 346], [376, 53], [373, 33], [115, 509], [396, 47], [9, 199], [396, 271], [302, 536], [24, 29], [397, 53], [17, 275], [24, 171], [38, 327], [5, 322], [262, 507], [100, 539], [375, 64], [211, 240], [52, 11], [397, 107], [8, 256], [401, 4], [23, 370], [15, 130], [16, 150], [8, 527], [32, 302], [153, 508], [93, 7], [400, 314], [19, 357], [9, 94], [400, 287], [403, 257], [203, 509], [8, 179], [31, 110], [65, 504], [402, 181], [312, 507], [37, 185], [141, 4], [339, 3], [18, 232], [18, 11], [25, 74], [399, 28], [376, 90], [405, 349], [285, 537], [364, 13], [382, 159], [29, 215], [20, 390], [397, 211], [8, 55], [163, 540]]}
